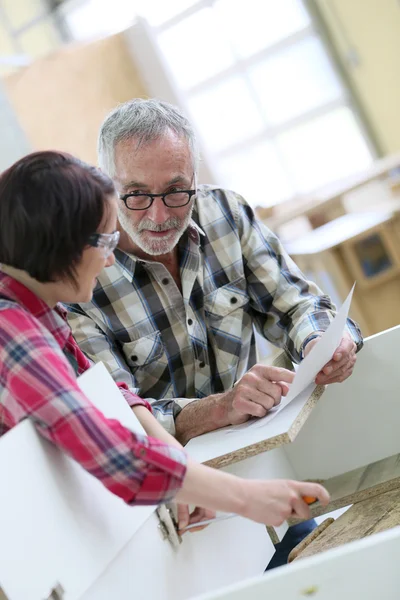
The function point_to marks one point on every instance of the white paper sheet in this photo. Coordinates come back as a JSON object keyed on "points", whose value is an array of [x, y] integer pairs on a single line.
{"points": [[321, 353], [309, 368]]}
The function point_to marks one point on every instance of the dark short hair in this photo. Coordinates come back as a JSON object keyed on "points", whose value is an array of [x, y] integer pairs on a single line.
{"points": [[50, 203]]}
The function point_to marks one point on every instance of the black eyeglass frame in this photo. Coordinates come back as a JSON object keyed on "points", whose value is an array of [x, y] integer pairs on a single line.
{"points": [[124, 198]]}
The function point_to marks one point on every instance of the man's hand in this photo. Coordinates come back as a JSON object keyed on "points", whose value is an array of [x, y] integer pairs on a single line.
{"points": [[259, 390], [341, 366], [185, 518]]}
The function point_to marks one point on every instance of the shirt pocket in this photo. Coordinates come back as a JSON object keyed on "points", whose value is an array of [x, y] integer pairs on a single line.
{"points": [[224, 310], [144, 351]]}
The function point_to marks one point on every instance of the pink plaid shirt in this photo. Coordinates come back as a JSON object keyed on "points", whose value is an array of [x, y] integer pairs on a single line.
{"points": [[38, 382]]}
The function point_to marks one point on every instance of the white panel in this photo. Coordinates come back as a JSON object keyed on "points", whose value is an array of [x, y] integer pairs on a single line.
{"points": [[224, 441], [59, 523], [364, 570], [355, 422], [225, 552]]}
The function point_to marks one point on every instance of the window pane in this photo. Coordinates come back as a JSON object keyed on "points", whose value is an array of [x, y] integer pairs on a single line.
{"points": [[195, 48], [225, 114], [252, 25], [325, 149], [159, 11], [99, 17], [295, 81], [257, 174]]}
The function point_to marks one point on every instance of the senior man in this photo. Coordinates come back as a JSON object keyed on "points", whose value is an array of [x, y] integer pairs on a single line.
{"points": [[195, 274]]}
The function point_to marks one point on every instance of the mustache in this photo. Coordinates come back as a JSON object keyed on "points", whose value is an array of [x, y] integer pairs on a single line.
{"points": [[171, 223]]}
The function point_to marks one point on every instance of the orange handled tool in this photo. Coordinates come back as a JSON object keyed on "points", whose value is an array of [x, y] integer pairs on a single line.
{"points": [[309, 499]]}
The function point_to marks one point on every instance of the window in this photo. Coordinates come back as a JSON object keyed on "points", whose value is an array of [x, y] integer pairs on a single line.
{"points": [[260, 87], [265, 96]]}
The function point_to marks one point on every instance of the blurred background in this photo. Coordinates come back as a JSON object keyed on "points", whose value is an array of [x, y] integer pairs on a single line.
{"points": [[296, 104]]}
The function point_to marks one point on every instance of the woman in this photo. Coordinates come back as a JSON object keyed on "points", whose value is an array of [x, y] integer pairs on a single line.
{"points": [[58, 219]]}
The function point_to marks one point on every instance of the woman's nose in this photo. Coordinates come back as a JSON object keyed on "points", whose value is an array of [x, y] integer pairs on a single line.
{"points": [[110, 260]]}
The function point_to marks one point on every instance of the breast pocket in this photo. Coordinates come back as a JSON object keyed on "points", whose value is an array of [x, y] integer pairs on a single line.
{"points": [[224, 310], [147, 360]]}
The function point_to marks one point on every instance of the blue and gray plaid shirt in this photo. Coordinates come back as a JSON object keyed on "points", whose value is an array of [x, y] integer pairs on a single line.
{"points": [[173, 348]]}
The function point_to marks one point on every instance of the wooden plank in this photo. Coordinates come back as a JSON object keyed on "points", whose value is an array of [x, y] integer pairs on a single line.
{"points": [[360, 484], [361, 520], [219, 449], [300, 548]]}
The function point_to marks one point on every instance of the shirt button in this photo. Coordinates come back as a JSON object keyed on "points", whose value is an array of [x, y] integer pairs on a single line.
{"points": [[142, 452], [233, 300], [202, 364], [190, 321], [165, 281], [134, 358]]}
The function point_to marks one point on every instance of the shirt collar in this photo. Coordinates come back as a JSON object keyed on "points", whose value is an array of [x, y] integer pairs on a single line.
{"points": [[53, 319]]}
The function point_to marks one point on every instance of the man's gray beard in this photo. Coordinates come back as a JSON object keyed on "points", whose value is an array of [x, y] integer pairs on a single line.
{"points": [[155, 247]]}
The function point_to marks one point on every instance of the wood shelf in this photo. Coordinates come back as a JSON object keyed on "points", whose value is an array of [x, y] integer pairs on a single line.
{"points": [[359, 485]]}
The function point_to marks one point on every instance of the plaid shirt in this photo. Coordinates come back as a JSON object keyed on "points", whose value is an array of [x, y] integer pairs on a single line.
{"points": [[174, 347], [36, 381]]}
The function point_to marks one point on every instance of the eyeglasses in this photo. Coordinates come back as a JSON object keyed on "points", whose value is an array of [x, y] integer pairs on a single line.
{"points": [[107, 241], [135, 201]]}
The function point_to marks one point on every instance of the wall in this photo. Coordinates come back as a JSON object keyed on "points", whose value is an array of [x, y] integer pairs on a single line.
{"points": [[372, 29], [61, 99], [13, 143]]}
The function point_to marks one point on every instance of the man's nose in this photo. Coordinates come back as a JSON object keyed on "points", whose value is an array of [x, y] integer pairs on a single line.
{"points": [[158, 212]]}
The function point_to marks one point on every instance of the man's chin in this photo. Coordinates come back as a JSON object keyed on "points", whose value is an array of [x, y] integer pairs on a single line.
{"points": [[158, 249], [161, 246]]}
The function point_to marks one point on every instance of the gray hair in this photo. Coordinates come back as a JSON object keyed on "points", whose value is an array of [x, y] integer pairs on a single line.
{"points": [[146, 120]]}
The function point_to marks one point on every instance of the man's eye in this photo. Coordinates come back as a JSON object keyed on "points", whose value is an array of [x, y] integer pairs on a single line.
{"points": [[137, 193]]}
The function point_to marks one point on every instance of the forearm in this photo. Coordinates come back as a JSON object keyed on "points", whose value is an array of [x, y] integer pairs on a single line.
{"points": [[213, 489], [153, 428], [202, 485], [202, 416]]}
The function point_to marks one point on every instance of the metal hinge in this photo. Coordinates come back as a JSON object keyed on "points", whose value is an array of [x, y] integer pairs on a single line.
{"points": [[168, 525]]}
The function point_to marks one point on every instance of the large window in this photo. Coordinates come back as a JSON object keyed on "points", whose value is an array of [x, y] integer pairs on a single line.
{"points": [[260, 87], [28, 30]]}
